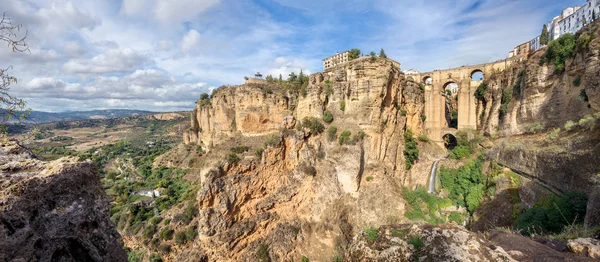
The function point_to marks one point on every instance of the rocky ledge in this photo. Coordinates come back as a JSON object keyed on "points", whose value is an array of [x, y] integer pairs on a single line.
{"points": [[53, 211]]}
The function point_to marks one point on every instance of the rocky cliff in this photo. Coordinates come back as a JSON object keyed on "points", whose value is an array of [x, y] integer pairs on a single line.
{"points": [[53, 211]]}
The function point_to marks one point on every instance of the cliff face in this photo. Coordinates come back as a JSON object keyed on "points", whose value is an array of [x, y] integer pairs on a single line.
{"points": [[306, 194], [55, 211]]}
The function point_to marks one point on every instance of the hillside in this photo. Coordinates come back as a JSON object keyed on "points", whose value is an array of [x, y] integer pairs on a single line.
{"points": [[39, 117]]}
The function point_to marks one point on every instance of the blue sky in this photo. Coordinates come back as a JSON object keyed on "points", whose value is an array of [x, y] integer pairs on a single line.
{"points": [[160, 55]]}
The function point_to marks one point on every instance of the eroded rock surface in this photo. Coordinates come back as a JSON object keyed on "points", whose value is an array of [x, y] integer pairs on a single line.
{"points": [[53, 211]]}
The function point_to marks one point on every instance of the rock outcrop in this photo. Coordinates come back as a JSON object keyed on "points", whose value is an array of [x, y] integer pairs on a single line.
{"points": [[588, 247], [53, 211]]}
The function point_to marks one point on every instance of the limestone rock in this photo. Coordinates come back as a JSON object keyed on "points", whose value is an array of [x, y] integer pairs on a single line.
{"points": [[424, 242], [289, 122], [585, 246], [53, 210]]}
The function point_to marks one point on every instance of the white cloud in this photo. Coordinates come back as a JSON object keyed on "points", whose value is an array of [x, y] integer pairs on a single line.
{"points": [[166, 11], [190, 41], [111, 61]]}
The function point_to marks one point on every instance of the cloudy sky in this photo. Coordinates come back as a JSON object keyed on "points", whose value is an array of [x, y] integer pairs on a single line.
{"points": [[160, 55]]}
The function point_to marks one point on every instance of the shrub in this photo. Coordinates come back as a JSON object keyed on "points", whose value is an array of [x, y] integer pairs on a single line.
{"points": [[273, 140], [423, 206], [240, 149], [345, 137], [155, 258], [416, 241], [460, 152], [149, 231], [403, 113], [586, 119], [422, 87], [328, 117], [314, 124], [309, 170], [553, 213], [569, 125], [554, 134], [480, 92], [180, 238], [259, 152], [371, 234], [233, 158], [577, 81], [359, 136], [354, 53], [263, 253], [583, 95], [559, 51], [167, 221], [164, 249], [343, 105], [166, 234], [456, 217], [411, 152], [464, 184], [535, 127], [135, 255], [424, 138], [191, 233], [331, 133], [155, 220], [328, 88], [423, 118], [305, 259], [337, 258]]}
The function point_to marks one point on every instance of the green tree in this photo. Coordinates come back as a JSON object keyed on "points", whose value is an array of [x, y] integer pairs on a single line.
{"points": [[292, 77], [382, 53], [280, 78], [10, 106], [544, 35], [354, 53], [559, 51]]}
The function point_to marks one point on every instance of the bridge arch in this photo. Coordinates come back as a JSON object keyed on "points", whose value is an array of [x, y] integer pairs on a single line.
{"points": [[451, 86], [477, 75], [410, 78], [428, 80], [450, 141]]}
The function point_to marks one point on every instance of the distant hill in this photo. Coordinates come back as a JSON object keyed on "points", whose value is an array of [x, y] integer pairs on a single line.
{"points": [[38, 117]]}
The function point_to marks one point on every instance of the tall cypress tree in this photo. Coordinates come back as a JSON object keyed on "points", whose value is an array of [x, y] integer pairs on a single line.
{"points": [[382, 53], [544, 36]]}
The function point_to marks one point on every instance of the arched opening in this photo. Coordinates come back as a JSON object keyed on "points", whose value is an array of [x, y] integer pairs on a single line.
{"points": [[410, 78], [427, 80], [450, 141], [477, 75], [451, 104]]}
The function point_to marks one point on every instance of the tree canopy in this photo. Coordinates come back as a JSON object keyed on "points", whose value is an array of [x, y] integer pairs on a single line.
{"points": [[544, 35], [10, 106], [382, 53]]}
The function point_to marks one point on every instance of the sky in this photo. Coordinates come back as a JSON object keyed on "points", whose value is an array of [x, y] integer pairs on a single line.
{"points": [[160, 55]]}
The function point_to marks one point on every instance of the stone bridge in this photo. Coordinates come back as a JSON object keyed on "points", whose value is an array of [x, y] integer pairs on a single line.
{"points": [[462, 83]]}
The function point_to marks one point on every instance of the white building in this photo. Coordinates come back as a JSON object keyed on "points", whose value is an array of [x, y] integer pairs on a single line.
{"points": [[339, 58], [411, 72], [592, 8], [554, 26], [534, 44], [572, 23]]}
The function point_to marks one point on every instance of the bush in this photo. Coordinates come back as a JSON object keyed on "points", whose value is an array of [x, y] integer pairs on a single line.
{"points": [[233, 158], [403, 113], [191, 233], [263, 253], [359, 136], [273, 140], [180, 238], [553, 213], [535, 127], [411, 152], [149, 231], [583, 95], [343, 105], [309, 170], [331, 133], [423, 206], [240, 149], [416, 241], [135, 255], [314, 124], [164, 249], [460, 152], [167, 221], [577, 81], [371, 234], [305, 259], [456, 217], [480, 92], [559, 51], [554, 134], [424, 138], [586, 119], [465, 184], [345, 137], [155, 258], [328, 117], [569, 125], [369, 178], [423, 118], [328, 88], [354, 53], [166, 234]]}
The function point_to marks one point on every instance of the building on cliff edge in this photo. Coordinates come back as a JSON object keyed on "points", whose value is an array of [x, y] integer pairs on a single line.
{"points": [[337, 59]]}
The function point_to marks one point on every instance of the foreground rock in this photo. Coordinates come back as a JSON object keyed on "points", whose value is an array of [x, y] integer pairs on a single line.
{"points": [[53, 211], [424, 243], [585, 246]]}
